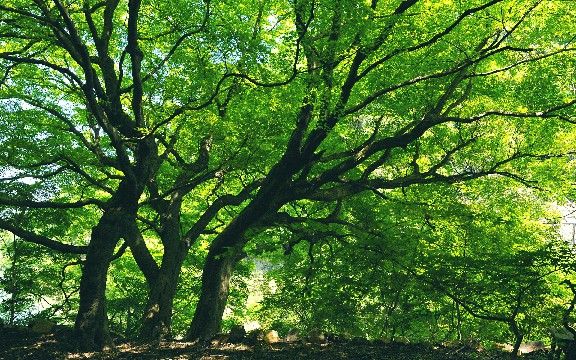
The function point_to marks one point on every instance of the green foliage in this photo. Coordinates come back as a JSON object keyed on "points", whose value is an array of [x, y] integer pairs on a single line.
{"points": [[186, 298], [126, 297], [36, 282], [423, 261], [390, 168]]}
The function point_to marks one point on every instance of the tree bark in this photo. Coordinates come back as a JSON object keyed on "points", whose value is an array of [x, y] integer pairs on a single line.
{"points": [[91, 322], [13, 288], [227, 249], [216, 277], [157, 317], [518, 337]]}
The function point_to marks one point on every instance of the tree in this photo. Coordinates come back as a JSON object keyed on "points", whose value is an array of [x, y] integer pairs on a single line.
{"points": [[108, 130], [423, 106], [213, 120], [49, 46]]}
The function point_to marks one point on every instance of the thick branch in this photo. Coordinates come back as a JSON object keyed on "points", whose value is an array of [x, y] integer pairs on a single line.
{"points": [[42, 240], [146, 263], [9, 201], [228, 200]]}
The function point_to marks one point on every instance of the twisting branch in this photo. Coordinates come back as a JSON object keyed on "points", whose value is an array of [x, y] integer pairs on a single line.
{"points": [[42, 240], [146, 263], [430, 41], [547, 113], [227, 200], [178, 43], [64, 71], [63, 279], [136, 56], [10, 201]]}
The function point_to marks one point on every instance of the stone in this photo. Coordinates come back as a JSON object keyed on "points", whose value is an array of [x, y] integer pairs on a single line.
{"points": [[254, 337], [527, 348], [41, 326], [237, 334], [316, 336], [292, 336], [271, 337]]}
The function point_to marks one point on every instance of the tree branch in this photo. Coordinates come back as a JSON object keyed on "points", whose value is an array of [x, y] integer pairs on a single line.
{"points": [[42, 240]]}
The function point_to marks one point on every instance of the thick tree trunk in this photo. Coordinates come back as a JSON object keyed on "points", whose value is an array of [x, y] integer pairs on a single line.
{"points": [[91, 325], [227, 249], [91, 322], [213, 298], [157, 318]]}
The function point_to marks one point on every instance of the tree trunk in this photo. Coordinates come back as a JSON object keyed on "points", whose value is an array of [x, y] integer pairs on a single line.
{"points": [[225, 251], [517, 335], [157, 318], [14, 291], [458, 322], [91, 322], [227, 248], [218, 270], [91, 325]]}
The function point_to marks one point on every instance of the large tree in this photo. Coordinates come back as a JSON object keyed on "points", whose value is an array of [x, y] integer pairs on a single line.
{"points": [[396, 96], [208, 120], [77, 117]]}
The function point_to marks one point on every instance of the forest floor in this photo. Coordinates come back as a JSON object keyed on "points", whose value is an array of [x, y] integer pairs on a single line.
{"points": [[22, 344]]}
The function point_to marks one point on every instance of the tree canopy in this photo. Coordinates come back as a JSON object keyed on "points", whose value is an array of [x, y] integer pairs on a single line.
{"points": [[171, 145]]}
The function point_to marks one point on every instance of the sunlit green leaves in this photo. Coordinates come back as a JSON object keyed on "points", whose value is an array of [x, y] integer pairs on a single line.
{"points": [[404, 104]]}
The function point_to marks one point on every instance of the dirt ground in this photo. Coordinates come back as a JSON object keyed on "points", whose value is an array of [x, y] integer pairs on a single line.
{"points": [[16, 344]]}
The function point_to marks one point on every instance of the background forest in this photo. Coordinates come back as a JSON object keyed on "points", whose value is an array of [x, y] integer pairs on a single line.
{"points": [[375, 168]]}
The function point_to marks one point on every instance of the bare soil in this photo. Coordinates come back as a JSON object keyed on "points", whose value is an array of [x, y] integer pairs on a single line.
{"points": [[19, 343]]}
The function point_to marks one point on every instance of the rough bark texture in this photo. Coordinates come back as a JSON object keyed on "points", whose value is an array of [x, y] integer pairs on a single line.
{"points": [[157, 317], [91, 322], [215, 289], [227, 249]]}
